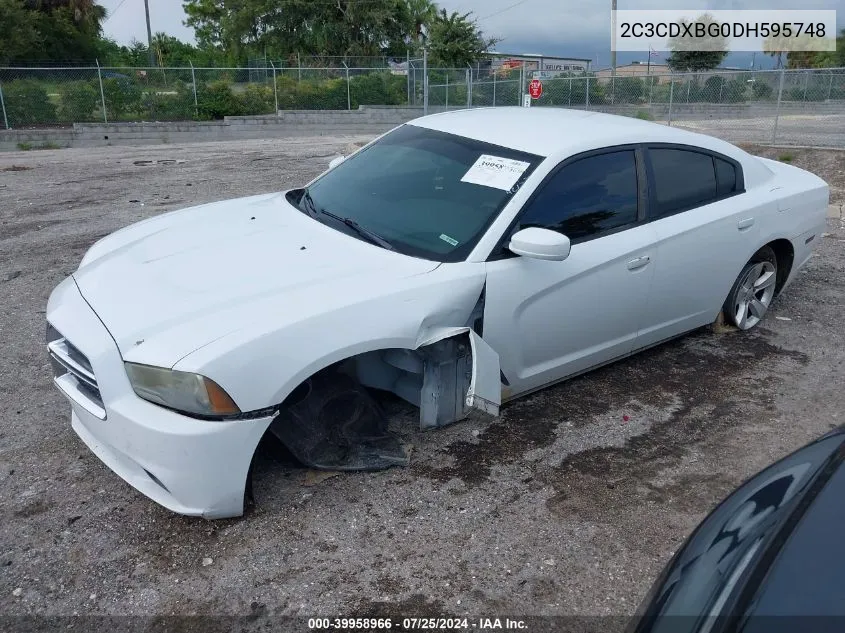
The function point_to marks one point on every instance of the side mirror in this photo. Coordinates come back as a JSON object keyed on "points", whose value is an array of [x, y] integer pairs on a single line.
{"points": [[334, 162], [538, 243]]}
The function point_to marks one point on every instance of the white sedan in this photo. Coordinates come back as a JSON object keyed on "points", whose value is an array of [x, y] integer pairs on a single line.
{"points": [[458, 261]]}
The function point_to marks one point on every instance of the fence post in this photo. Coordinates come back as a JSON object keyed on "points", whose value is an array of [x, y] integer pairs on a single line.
{"points": [[275, 87], [298, 69], [348, 92], [650, 89], [408, 72], [468, 73], [494, 88], [102, 92], [570, 91], [3, 104], [447, 90], [777, 111], [806, 83], [425, 80], [830, 86], [587, 96], [671, 97], [194, 86], [521, 82]]}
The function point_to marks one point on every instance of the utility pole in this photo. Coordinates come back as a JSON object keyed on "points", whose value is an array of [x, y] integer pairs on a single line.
{"points": [[150, 34]]}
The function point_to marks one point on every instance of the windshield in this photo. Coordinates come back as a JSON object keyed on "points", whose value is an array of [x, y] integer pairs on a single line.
{"points": [[424, 193]]}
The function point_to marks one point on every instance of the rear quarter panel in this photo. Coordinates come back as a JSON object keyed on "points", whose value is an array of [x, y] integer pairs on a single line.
{"points": [[800, 214]]}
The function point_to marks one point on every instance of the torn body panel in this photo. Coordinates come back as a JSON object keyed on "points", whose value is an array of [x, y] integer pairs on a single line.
{"points": [[449, 374], [331, 422]]}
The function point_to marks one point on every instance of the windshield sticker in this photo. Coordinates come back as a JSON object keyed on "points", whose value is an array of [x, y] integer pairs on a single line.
{"points": [[493, 171], [449, 240]]}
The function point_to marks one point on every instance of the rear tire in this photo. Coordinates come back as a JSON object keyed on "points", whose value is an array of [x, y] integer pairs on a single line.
{"points": [[753, 291]]}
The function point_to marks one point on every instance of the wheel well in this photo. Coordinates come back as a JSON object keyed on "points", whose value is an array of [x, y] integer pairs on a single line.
{"points": [[785, 255]]}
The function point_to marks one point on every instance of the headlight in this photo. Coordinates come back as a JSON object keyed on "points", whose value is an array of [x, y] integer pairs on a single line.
{"points": [[180, 390]]}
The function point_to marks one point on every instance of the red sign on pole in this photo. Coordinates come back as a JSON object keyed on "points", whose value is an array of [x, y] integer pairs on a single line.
{"points": [[535, 89]]}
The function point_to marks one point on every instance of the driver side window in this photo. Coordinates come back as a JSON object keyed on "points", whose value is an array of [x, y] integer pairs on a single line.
{"points": [[588, 197]]}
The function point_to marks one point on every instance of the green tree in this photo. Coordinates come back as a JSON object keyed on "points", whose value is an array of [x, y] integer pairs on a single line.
{"points": [[455, 40], [20, 38], [692, 54], [49, 30], [240, 28]]}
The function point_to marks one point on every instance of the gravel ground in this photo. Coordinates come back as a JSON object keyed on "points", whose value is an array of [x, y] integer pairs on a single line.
{"points": [[559, 507], [821, 130]]}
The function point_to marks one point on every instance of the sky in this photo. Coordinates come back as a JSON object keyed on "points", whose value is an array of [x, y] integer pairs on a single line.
{"points": [[574, 28]]}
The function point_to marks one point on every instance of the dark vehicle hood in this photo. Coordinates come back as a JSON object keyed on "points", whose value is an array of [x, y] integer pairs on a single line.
{"points": [[721, 566]]}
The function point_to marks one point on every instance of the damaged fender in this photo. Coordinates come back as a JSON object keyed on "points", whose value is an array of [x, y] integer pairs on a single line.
{"points": [[461, 372]]}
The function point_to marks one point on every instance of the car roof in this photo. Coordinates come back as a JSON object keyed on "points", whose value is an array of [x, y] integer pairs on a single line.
{"points": [[551, 131]]}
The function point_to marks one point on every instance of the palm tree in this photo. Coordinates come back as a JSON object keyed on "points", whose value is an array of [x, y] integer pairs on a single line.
{"points": [[422, 12], [83, 10]]}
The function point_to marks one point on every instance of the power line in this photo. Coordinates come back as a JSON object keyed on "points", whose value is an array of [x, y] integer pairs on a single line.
{"points": [[514, 5], [116, 9]]}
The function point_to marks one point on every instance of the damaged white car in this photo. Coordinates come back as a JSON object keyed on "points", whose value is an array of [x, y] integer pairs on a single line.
{"points": [[458, 261]]}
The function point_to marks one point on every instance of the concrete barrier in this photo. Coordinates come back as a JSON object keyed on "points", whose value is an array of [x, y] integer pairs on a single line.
{"points": [[365, 120], [285, 124]]}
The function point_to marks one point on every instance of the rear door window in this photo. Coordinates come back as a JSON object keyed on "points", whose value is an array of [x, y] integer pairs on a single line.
{"points": [[682, 180]]}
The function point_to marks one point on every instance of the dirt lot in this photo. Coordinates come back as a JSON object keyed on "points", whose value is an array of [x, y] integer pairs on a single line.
{"points": [[559, 507]]}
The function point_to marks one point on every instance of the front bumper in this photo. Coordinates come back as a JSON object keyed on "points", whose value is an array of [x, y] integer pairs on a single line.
{"points": [[189, 466]]}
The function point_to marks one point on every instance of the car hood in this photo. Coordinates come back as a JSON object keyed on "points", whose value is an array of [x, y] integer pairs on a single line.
{"points": [[710, 571], [173, 273]]}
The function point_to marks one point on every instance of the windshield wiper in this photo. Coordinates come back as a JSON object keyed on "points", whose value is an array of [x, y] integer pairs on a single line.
{"points": [[375, 238], [310, 206]]}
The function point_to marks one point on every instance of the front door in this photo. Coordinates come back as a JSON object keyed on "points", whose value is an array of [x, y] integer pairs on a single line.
{"points": [[548, 320]]}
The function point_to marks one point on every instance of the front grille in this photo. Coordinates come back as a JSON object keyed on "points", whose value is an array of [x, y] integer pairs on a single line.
{"points": [[73, 372]]}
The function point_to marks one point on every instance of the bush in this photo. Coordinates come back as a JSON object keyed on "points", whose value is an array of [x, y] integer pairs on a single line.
{"points": [[378, 88], [627, 89], [257, 99], [79, 100], [216, 100], [714, 89], [172, 105], [123, 96], [734, 91], [761, 89], [329, 94], [27, 103]]}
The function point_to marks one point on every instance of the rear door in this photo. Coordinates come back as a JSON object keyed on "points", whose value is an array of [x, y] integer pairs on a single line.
{"points": [[705, 230]]}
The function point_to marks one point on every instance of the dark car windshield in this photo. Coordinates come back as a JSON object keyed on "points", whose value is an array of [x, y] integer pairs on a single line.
{"points": [[425, 193]]}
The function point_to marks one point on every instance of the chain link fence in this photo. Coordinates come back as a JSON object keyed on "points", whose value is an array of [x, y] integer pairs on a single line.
{"points": [[778, 106], [790, 107]]}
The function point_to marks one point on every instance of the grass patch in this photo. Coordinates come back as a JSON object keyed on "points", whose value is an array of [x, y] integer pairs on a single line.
{"points": [[26, 147], [644, 115], [786, 158]]}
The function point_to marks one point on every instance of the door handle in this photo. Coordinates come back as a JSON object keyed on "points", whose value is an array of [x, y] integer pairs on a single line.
{"points": [[747, 223], [639, 262]]}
